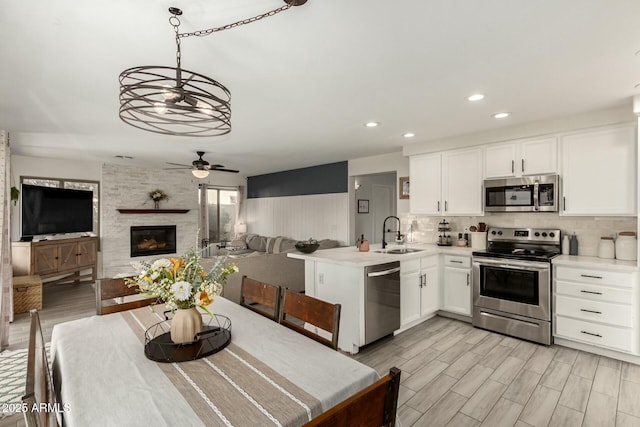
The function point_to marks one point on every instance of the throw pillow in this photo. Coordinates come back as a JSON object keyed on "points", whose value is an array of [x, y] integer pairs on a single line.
{"points": [[276, 244]]}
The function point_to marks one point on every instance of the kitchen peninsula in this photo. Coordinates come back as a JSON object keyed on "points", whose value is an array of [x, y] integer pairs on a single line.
{"points": [[411, 291]]}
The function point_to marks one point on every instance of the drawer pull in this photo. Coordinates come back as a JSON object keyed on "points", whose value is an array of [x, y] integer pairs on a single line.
{"points": [[591, 292], [457, 262], [591, 277], [590, 311], [591, 333]]}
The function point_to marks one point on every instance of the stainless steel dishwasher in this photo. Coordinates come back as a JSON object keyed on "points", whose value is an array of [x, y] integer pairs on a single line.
{"points": [[382, 300]]}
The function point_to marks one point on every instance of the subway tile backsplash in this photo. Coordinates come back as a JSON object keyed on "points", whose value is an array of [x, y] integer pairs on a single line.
{"points": [[589, 230]]}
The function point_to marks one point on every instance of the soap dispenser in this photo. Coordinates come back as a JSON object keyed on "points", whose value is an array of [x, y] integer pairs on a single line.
{"points": [[364, 244]]}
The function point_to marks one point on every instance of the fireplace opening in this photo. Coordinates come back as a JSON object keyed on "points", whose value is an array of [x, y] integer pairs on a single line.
{"points": [[153, 240]]}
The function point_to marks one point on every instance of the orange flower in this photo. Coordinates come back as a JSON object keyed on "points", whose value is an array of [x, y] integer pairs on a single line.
{"points": [[203, 274], [203, 298], [177, 264]]}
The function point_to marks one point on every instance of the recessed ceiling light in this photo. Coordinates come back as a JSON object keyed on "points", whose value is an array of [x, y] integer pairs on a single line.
{"points": [[372, 124], [409, 135], [501, 115], [475, 97]]}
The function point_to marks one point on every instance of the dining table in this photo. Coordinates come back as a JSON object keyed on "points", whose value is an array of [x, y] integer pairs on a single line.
{"points": [[267, 375]]}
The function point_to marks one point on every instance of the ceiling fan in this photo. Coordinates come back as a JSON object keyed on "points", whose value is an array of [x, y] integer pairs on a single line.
{"points": [[200, 167]]}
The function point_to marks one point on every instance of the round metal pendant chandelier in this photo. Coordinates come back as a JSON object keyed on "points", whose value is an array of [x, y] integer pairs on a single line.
{"points": [[175, 101]]}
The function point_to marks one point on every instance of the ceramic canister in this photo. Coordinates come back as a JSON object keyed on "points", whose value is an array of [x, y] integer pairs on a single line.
{"points": [[606, 249], [627, 246]]}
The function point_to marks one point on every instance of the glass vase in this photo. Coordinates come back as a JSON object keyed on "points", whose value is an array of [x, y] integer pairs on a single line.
{"points": [[156, 204]]}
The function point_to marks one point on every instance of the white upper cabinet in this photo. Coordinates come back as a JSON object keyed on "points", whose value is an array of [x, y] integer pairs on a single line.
{"points": [[599, 172], [462, 182], [526, 157], [425, 172], [448, 183]]}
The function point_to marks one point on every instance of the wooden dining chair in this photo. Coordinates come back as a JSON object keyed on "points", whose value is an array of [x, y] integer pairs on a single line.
{"points": [[260, 297], [110, 295], [373, 406], [39, 385], [312, 311]]}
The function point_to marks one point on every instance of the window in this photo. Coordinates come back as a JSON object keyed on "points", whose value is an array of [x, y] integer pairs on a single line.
{"points": [[73, 185], [221, 213]]}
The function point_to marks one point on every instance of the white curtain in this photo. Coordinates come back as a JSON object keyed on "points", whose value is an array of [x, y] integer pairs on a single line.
{"points": [[6, 275]]}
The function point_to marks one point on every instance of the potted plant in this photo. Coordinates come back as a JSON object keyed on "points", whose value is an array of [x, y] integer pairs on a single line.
{"points": [[15, 195]]}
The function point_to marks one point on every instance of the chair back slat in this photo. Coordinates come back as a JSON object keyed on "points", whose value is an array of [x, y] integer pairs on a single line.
{"points": [[375, 405], [261, 297], [313, 311], [110, 289]]}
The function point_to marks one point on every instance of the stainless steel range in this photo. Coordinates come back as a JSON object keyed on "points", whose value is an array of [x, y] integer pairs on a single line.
{"points": [[512, 282]]}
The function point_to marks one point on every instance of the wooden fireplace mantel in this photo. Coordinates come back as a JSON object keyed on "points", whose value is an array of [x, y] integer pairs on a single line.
{"points": [[153, 211]]}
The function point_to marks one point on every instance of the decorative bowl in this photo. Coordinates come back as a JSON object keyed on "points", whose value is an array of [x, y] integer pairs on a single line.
{"points": [[306, 247]]}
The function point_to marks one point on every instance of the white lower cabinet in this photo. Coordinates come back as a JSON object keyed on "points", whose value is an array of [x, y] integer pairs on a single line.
{"points": [[597, 307], [457, 284], [419, 289]]}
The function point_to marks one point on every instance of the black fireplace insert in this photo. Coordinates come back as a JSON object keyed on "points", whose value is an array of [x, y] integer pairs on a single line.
{"points": [[153, 240]]}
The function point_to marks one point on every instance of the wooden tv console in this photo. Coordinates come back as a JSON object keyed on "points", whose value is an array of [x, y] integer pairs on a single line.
{"points": [[51, 259]]}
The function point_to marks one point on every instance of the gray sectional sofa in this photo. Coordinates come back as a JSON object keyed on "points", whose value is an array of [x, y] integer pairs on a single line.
{"points": [[265, 259]]}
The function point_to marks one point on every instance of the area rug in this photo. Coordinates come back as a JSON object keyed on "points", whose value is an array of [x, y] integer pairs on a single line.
{"points": [[13, 373]]}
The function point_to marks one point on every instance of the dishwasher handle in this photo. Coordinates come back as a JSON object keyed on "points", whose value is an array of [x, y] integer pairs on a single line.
{"points": [[384, 272]]}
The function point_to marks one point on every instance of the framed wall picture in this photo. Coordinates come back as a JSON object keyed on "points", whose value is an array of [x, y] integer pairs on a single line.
{"points": [[363, 206], [403, 189]]}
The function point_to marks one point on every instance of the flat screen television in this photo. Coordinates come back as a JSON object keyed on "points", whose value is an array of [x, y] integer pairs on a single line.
{"points": [[49, 210]]}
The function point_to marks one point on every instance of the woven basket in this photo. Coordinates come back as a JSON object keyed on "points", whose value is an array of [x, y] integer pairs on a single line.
{"points": [[27, 293]]}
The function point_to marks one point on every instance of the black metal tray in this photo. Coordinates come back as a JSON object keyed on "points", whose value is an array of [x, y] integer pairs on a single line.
{"points": [[215, 336]]}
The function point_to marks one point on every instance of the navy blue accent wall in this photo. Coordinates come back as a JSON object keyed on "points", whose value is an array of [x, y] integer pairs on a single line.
{"points": [[323, 179]]}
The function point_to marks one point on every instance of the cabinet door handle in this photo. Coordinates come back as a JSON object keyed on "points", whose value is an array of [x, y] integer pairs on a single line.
{"points": [[564, 203], [591, 333], [591, 292], [468, 278], [438, 205], [446, 205], [523, 165], [513, 166], [590, 311], [457, 262], [590, 276]]}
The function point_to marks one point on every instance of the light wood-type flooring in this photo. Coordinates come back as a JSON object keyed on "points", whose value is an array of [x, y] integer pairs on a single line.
{"points": [[454, 374], [457, 375]]}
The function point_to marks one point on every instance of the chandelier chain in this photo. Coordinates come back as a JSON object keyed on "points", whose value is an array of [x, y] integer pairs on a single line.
{"points": [[202, 33]]}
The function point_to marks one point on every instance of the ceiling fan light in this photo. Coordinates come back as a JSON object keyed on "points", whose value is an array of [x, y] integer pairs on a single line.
{"points": [[169, 93], [160, 107], [200, 173]]}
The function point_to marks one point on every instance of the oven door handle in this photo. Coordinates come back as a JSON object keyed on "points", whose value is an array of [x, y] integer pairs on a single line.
{"points": [[517, 265]]}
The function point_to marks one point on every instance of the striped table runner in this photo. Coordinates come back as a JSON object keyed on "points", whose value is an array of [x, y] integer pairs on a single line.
{"points": [[231, 387]]}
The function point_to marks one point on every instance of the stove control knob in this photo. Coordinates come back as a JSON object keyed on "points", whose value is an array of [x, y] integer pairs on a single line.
{"points": [[552, 235], [500, 233], [493, 232], [537, 234], [544, 234]]}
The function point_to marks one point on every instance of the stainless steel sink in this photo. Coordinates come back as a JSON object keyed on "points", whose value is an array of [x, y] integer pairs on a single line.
{"points": [[399, 251]]}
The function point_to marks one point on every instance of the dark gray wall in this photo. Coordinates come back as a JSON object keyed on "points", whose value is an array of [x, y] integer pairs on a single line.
{"points": [[323, 179]]}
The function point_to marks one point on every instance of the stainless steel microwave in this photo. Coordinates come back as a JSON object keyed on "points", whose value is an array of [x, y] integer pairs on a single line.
{"points": [[526, 194]]}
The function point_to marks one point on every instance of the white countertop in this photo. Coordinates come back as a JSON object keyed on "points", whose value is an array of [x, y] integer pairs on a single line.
{"points": [[595, 262], [350, 256]]}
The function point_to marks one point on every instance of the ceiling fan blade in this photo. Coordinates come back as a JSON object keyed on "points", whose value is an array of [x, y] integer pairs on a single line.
{"points": [[179, 164], [215, 166], [170, 169], [224, 170]]}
